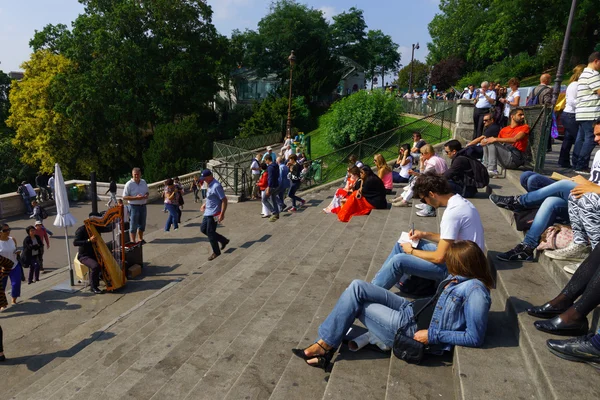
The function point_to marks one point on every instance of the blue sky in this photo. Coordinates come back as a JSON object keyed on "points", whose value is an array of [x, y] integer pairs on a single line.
{"points": [[405, 20]]}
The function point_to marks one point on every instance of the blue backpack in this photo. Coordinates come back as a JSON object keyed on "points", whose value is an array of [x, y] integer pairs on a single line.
{"points": [[535, 100]]}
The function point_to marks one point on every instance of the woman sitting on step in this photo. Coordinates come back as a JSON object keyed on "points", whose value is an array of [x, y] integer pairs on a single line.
{"points": [[405, 163], [384, 172], [370, 195], [340, 196], [456, 315]]}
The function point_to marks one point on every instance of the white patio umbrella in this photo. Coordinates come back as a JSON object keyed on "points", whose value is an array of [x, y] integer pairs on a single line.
{"points": [[64, 218]]}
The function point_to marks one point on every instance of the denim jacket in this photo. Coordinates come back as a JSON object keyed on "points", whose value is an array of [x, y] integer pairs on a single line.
{"points": [[461, 314]]}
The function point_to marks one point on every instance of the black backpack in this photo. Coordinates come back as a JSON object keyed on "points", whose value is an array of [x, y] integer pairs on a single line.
{"points": [[524, 218], [480, 177]]}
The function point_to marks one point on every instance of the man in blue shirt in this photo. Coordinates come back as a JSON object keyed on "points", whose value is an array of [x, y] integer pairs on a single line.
{"points": [[284, 182], [214, 211], [273, 188]]}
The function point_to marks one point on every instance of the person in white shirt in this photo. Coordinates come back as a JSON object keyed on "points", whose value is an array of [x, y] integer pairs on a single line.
{"points": [[136, 193], [586, 112], [461, 221], [484, 100], [512, 100], [255, 175], [567, 118]]}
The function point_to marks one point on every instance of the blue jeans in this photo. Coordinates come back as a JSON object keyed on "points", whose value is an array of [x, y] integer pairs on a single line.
{"points": [[571, 129], [15, 281], [532, 181], [380, 310], [173, 216], [398, 263], [137, 218], [292, 193], [271, 201], [27, 202], [560, 189], [584, 145]]}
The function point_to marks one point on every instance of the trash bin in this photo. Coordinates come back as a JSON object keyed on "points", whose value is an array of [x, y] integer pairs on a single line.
{"points": [[81, 190], [74, 193]]}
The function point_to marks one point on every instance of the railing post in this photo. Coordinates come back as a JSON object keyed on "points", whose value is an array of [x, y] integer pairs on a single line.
{"points": [[235, 180], [442, 126]]}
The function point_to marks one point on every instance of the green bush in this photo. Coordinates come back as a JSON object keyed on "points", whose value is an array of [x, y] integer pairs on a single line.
{"points": [[270, 115], [176, 148], [360, 116], [519, 66]]}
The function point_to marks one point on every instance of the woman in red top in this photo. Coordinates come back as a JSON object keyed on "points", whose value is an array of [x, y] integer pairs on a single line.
{"points": [[508, 149], [262, 184]]}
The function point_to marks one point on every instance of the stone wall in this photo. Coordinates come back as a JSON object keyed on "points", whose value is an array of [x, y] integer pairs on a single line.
{"points": [[463, 129]]}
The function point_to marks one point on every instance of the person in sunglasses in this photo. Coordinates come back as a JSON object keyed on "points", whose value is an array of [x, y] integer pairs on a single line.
{"points": [[461, 221]]}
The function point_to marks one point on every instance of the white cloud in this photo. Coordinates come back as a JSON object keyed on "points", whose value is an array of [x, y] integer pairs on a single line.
{"points": [[328, 12]]}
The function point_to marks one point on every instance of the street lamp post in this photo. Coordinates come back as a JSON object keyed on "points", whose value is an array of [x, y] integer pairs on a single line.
{"points": [[292, 60], [563, 54], [412, 58]]}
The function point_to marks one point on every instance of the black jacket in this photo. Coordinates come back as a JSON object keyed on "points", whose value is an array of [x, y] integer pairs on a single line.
{"points": [[374, 192], [85, 247], [29, 247]]}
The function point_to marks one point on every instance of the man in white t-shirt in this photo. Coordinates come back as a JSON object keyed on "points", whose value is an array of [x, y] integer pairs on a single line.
{"points": [[587, 111], [484, 99], [460, 221], [255, 175]]}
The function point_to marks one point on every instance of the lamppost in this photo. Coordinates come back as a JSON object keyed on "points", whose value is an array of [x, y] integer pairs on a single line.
{"points": [[292, 60], [412, 58], [563, 54]]}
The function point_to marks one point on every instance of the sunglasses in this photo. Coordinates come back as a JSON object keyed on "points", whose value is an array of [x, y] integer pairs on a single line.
{"points": [[6, 230], [423, 199]]}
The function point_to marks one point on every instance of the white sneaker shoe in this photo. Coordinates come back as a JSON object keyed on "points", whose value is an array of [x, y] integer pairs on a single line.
{"points": [[427, 213], [420, 206], [573, 252], [493, 174], [571, 268]]}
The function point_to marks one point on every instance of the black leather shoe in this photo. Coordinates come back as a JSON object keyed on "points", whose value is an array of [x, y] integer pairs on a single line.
{"points": [[224, 244], [557, 327], [577, 349], [96, 290], [545, 311]]}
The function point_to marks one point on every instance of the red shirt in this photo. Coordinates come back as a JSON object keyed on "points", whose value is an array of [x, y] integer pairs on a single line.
{"points": [[509, 132], [263, 181]]}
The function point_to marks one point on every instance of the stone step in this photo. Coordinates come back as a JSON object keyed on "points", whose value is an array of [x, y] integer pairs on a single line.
{"points": [[520, 285], [233, 361], [220, 267], [206, 303], [121, 328]]}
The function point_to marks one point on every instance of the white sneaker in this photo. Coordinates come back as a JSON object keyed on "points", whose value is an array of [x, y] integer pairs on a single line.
{"points": [[571, 268], [420, 206], [426, 213], [493, 173], [573, 252]]}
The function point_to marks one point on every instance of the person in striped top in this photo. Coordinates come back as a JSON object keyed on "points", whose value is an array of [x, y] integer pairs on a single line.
{"points": [[587, 111]]}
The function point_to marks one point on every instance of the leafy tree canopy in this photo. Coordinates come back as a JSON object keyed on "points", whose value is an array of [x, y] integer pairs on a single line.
{"points": [[420, 73], [270, 115], [447, 72], [359, 116], [382, 53], [349, 36]]}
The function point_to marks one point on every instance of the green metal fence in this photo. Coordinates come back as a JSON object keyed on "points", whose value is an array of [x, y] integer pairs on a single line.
{"points": [[417, 107], [434, 129], [239, 150]]}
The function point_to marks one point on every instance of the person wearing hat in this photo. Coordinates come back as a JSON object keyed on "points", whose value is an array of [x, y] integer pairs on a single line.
{"points": [[214, 211], [269, 152], [42, 232]]}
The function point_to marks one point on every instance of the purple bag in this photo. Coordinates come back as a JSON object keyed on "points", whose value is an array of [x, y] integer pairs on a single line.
{"points": [[554, 131]]}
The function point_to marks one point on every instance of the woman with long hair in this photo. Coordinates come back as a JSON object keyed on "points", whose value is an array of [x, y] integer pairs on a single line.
{"points": [[296, 179], [384, 172], [456, 315], [32, 254], [405, 163], [568, 118], [8, 249], [263, 183], [370, 195], [340, 196], [510, 101]]}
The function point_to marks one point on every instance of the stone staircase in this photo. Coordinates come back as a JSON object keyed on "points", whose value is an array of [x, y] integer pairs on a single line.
{"points": [[224, 329]]}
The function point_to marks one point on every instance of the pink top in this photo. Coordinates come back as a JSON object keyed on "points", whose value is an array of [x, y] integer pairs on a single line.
{"points": [[388, 180], [437, 164]]}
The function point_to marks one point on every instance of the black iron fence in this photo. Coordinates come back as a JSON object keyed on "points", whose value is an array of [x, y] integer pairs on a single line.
{"points": [[234, 178], [435, 128], [539, 119]]}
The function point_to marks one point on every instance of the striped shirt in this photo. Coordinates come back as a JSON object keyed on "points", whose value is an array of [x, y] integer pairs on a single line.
{"points": [[588, 99]]}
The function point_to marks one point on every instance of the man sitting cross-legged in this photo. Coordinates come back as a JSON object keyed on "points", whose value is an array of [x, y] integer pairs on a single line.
{"points": [[460, 221], [553, 202]]}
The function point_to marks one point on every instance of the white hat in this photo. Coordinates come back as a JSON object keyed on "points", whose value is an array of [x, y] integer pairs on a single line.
{"points": [[269, 148], [466, 88], [38, 223]]}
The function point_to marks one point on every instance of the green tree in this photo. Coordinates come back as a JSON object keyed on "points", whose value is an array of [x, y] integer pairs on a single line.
{"points": [[420, 73], [359, 116], [447, 72], [349, 36], [135, 65], [41, 132], [270, 115], [383, 55], [292, 26]]}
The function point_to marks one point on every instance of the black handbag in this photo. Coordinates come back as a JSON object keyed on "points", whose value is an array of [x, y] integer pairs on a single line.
{"points": [[407, 348]]}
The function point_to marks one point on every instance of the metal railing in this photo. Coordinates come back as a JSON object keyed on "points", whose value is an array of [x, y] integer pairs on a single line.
{"points": [[239, 150], [417, 107], [434, 128], [233, 177]]}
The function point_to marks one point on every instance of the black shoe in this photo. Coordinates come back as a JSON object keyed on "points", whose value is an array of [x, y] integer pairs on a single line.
{"points": [[323, 360], [2, 358], [545, 311], [577, 349], [557, 327], [224, 244], [96, 290], [213, 256], [510, 203], [521, 252]]}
